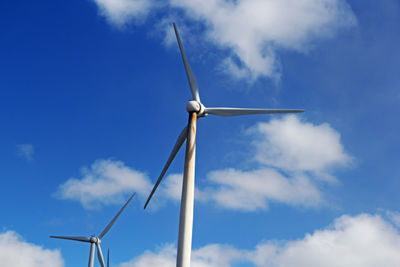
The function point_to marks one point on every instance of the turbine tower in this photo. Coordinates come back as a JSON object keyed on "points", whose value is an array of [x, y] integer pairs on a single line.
{"points": [[196, 110], [96, 240]]}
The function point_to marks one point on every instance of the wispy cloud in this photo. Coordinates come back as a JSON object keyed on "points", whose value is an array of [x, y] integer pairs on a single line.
{"points": [[25, 151], [364, 240], [14, 251], [251, 32]]}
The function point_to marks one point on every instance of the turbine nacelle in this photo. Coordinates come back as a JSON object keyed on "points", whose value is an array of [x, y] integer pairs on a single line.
{"points": [[196, 106], [95, 239]]}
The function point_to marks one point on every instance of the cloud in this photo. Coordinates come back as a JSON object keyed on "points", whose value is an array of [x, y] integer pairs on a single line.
{"points": [[358, 241], [254, 30], [295, 158], [208, 256], [105, 182], [16, 252], [25, 151], [120, 12], [361, 241], [293, 145], [252, 190], [251, 32]]}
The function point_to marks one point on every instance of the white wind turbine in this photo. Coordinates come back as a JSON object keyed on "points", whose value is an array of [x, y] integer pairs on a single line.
{"points": [[196, 110], [96, 240]]}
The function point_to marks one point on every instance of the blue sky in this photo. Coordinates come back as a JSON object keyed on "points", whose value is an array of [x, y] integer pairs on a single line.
{"points": [[93, 96]]}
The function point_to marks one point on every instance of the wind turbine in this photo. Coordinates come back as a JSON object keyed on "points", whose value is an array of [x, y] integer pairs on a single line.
{"points": [[96, 240], [196, 110]]}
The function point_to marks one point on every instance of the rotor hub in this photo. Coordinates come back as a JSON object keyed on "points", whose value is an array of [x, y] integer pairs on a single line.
{"points": [[194, 106], [94, 239]]}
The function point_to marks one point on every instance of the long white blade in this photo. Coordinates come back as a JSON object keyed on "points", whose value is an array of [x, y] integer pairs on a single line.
{"points": [[108, 227], [75, 238], [181, 139], [192, 81], [227, 112], [100, 255]]}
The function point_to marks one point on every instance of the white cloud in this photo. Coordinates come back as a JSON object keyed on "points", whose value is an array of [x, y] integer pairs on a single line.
{"points": [[254, 30], [26, 151], [209, 256], [105, 182], [357, 241], [293, 145], [295, 158], [360, 241], [251, 31], [120, 12], [16, 252], [252, 190]]}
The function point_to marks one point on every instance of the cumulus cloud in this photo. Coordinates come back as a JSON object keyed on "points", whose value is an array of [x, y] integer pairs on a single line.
{"points": [[252, 190], [16, 252], [104, 182], [358, 241], [208, 256], [120, 12], [25, 151], [295, 158], [250, 31], [293, 145]]}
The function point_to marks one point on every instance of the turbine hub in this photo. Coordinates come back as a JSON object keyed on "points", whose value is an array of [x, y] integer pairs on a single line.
{"points": [[194, 106], [93, 239]]}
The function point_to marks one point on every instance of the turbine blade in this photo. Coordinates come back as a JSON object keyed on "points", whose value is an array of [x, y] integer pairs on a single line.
{"points": [[192, 81], [100, 255], [108, 227], [75, 238], [228, 112], [108, 258], [181, 139]]}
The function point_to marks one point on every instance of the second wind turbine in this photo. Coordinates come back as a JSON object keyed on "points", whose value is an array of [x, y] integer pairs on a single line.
{"points": [[196, 110]]}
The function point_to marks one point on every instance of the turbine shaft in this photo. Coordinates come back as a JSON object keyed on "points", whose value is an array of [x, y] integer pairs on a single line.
{"points": [[91, 255]]}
